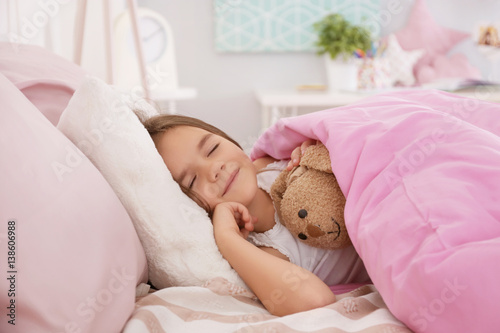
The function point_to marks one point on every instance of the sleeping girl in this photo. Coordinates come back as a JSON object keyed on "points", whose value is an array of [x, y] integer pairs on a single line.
{"points": [[286, 275]]}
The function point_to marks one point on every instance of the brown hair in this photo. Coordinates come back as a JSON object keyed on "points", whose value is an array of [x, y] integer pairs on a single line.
{"points": [[159, 124]]}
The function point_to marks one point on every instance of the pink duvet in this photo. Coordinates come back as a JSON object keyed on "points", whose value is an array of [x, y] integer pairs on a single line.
{"points": [[420, 171]]}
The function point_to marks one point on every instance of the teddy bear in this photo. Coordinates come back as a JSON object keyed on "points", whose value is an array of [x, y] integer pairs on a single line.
{"points": [[309, 201]]}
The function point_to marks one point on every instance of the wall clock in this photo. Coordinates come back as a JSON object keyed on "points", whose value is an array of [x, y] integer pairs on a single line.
{"points": [[159, 52]]}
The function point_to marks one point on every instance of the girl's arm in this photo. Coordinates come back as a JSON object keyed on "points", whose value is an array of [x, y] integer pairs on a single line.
{"points": [[281, 286]]}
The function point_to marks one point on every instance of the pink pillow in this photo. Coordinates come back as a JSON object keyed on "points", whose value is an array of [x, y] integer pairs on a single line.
{"points": [[423, 32], [76, 258], [46, 79], [443, 67]]}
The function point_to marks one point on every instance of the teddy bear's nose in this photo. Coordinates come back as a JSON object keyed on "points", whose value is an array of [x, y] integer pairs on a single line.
{"points": [[314, 231]]}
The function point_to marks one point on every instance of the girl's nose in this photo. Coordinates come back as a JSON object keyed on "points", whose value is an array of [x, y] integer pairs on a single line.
{"points": [[215, 171]]}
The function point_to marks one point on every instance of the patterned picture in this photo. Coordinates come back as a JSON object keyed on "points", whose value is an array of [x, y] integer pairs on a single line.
{"points": [[282, 25]]}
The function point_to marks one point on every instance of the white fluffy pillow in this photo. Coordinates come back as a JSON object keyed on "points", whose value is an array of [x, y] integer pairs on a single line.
{"points": [[176, 234]]}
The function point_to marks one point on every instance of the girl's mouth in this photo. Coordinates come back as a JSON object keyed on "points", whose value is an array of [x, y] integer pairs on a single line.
{"points": [[230, 180]]}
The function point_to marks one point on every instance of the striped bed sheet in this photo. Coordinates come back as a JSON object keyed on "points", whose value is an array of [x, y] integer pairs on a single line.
{"points": [[220, 306]]}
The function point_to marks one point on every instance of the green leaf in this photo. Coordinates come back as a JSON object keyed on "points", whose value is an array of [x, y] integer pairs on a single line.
{"points": [[337, 36]]}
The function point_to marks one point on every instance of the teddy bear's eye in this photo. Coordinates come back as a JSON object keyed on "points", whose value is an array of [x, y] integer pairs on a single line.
{"points": [[302, 213]]}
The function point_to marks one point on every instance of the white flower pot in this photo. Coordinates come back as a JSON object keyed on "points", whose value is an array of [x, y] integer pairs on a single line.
{"points": [[342, 75]]}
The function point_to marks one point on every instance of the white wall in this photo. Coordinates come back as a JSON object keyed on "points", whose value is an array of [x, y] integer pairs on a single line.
{"points": [[226, 81]]}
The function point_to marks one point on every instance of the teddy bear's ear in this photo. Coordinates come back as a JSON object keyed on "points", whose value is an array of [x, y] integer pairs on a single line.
{"points": [[295, 174], [317, 157]]}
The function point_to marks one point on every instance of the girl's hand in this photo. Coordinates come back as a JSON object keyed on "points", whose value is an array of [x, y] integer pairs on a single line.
{"points": [[298, 152], [232, 217]]}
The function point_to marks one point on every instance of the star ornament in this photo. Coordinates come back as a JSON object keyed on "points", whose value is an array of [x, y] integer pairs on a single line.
{"points": [[401, 62]]}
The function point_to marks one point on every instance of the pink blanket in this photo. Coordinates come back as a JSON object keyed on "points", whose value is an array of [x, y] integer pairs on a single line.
{"points": [[421, 174]]}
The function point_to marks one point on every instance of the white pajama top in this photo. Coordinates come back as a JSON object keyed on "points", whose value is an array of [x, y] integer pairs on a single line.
{"points": [[332, 266]]}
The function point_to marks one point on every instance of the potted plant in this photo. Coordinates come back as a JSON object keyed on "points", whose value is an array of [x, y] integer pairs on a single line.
{"points": [[338, 39]]}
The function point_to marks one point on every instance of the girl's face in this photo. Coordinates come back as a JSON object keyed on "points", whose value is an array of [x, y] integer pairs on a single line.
{"points": [[211, 166]]}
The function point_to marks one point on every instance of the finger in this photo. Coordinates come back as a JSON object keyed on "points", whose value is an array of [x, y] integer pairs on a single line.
{"points": [[306, 144], [295, 153], [294, 157], [240, 222], [244, 233], [238, 219], [249, 226], [243, 213]]}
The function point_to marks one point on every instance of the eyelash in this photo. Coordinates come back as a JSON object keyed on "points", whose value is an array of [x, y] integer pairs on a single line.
{"points": [[213, 149], [192, 182], [209, 153]]}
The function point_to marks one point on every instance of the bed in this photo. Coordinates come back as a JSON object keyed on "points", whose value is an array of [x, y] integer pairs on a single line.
{"points": [[93, 218]]}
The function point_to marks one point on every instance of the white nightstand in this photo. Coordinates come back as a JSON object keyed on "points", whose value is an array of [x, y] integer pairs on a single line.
{"points": [[278, 104]]}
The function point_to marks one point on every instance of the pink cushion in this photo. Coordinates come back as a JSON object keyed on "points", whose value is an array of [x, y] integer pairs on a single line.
{"points": [[443, 67], [77, 255], [46, 79], [423, 32]]}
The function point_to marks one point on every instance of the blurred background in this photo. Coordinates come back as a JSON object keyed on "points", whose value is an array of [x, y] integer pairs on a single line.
{"points": [[226, 51]]}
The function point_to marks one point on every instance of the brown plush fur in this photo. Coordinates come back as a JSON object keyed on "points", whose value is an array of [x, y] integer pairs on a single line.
{"points": [[312, 188]]}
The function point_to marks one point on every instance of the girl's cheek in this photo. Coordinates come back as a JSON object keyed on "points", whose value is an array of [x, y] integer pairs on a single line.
{"points": [[210, 192]]}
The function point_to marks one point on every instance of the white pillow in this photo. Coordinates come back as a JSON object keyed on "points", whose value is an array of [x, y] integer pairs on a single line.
{"points": [[176, 233]]}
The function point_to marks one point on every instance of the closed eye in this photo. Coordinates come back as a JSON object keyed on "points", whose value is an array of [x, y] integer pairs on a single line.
{"points": [[213, 149], [190, 186]]}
